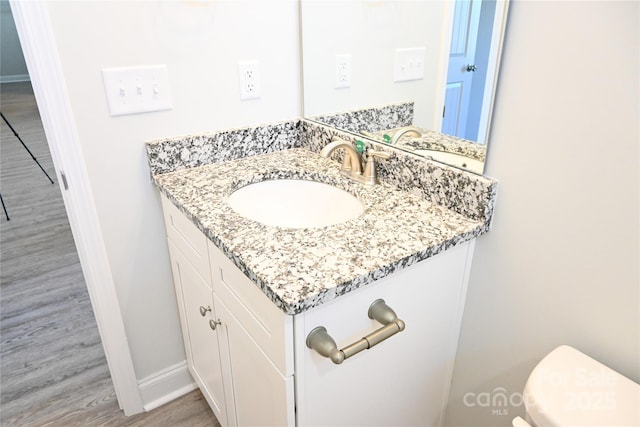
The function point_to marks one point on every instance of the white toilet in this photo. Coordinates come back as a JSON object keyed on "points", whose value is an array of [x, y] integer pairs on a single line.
{"points": [[568, 388]]}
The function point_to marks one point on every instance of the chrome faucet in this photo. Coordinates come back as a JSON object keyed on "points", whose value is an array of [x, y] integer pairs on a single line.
{"points": [[409, 129], [351, 165]]}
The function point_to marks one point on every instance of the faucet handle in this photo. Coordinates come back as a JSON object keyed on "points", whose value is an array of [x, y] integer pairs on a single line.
{"points": [[370, 174], [378, 154]]}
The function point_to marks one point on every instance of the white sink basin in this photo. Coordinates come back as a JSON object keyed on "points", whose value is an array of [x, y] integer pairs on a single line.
{"points": [[295, 203]]}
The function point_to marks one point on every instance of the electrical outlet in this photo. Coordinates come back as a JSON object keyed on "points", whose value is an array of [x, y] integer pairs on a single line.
{"points": [[133, 90], [409, 64], [343, 70], [249, 77]]}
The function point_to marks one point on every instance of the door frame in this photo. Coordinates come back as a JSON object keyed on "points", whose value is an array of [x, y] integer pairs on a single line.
{"points": [[495, 54], [45, 70], [493, 65]]}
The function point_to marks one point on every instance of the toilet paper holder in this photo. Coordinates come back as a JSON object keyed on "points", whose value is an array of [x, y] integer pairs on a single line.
{"points": [[320, 340]]}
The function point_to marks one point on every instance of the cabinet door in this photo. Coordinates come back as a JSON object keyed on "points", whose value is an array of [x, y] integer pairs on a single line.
{"points": [[201, 341], [402, 381], [262, 395]]}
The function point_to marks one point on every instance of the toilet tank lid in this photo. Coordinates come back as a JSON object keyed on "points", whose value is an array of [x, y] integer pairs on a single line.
{"points": [[569, 388]]}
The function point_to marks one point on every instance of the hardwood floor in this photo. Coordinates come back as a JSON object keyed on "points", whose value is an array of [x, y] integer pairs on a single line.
{"points": [[52, 366]]}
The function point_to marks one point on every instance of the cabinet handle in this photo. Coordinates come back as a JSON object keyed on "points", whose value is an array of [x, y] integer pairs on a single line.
{"points": [[203, 310], [320, 341], [213, 324]]}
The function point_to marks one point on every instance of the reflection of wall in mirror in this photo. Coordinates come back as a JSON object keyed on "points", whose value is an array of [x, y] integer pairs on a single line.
{"points": [[371, 32]]}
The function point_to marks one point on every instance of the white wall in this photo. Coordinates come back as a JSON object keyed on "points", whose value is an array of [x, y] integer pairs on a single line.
{"points": [[201, 43], [12, 65], [560, 265], [371, 32]]}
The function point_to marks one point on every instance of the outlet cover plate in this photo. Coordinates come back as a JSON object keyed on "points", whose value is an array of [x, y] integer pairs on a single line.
{"points": [[343, 71], [249, 78]]}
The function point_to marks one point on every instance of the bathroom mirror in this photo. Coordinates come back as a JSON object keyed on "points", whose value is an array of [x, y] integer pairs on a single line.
{"points": [[388, 70]]}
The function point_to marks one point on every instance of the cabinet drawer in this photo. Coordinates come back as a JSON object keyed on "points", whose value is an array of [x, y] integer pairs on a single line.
{"points": [[268, 326], [187, 238]]}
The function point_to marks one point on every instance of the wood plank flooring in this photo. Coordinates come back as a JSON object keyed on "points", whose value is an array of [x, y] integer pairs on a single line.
{"points": [[52, 366]]}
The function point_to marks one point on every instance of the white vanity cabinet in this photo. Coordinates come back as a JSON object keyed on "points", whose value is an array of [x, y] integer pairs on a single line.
{"points": [[192, 280], [261, 372]]}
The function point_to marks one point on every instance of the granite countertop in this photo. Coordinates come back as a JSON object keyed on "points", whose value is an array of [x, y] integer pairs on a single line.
{"points": [[301, 268], [436, 141]]}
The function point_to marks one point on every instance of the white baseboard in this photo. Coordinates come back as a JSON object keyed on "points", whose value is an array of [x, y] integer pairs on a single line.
{"points": [[165, 386], [14, 78]]}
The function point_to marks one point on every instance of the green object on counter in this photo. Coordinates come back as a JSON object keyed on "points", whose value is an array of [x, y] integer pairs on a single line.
{"points": [[386, 138], [359, 146]]}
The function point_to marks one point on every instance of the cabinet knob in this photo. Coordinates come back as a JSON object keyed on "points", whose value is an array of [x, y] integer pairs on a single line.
{"points": [[213, 324], [204, 311]]}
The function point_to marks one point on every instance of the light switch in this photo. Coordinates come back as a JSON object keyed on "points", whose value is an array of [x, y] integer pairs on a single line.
{"points": [[132, 90], [409, 64]]}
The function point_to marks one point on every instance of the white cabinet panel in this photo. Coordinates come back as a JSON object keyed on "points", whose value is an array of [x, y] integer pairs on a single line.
{"points": [[262, 395], [268, 326], [186, 237], [177, 259], [405, 379], [201, 342]]}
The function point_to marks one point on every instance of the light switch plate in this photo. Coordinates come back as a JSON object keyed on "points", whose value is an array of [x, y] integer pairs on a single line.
{"points": [[132, 90], [409, 64]]}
